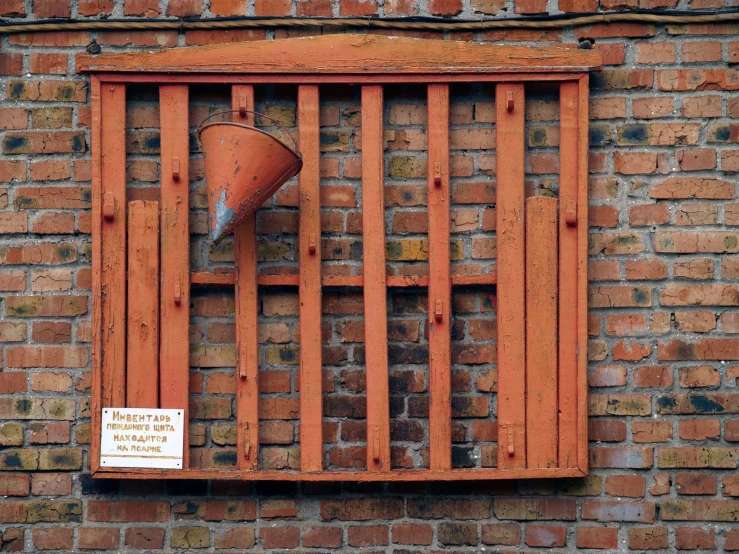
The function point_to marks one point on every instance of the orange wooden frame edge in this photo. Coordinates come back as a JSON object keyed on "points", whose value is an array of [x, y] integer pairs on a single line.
{"points": [[347, 54], [490, 474]]}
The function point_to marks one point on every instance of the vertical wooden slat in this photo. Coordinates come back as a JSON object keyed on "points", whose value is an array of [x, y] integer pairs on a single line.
{"points": [[311, 410], [582, 276], [541, 332], [510, 108], [97, 258], [375, 291], [568, 264], [174, 360], [440, 304], [142, 349], [113, 270], [247, 312]]}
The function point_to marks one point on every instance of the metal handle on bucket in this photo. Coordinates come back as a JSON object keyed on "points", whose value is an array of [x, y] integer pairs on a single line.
{"points": [[273, 120]]}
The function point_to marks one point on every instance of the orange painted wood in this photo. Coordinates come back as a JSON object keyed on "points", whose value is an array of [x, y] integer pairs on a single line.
{"points": [[174, 355], [375, 288], [227, 278], [479, 474], [96, 399], [541, 332], [329, 78], [113, 259], [568, 273], [511, 291], [142, 347], [311, 409], [439, 288], [393, 281], [247, 312], [346, 53], [582, 277]]}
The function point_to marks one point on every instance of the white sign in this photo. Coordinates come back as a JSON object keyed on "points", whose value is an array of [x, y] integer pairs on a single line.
{"points": [[142, 437]]}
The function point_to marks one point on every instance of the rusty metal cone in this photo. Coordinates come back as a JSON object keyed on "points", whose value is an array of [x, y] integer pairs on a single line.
{"points": [[244, 166]]}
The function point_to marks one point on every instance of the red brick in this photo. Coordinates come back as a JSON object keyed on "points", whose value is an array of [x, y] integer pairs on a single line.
{"points": [[51, 484], [13, 8], [141, 8], [602, 538], [696, 457], [12, 170], [49, 63], [53, 538], [699, 510], [357, 8], [11, 64], [415, 534], [368, 535], [94, 8], [127, 511], [14, 485], [616, 510], [632, 486], [621, 457], [635, 163], [320, 8], [655, 52], [701, 376], [648, 538], [322, 537], [697, 79], [280, 537], [527, 509], [147, 538], [98, 538], [238, 7], [652, 107], [651, 431], [185, 8], [547, 536], [606, 430], [444, 7], [696, 483], [694, 538], [13, 382], [696, 159]]}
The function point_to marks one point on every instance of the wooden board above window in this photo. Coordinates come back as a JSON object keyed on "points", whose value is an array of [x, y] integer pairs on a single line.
{"points": [[541, 268]]}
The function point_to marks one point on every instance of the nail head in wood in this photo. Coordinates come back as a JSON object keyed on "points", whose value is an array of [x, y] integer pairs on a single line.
{"points": [[511, 447], [437, 174], [312, 244], [509, 101], [176, 168], [109, 206], [439, 310], [177, 289], [376, 444], [571, 213]]}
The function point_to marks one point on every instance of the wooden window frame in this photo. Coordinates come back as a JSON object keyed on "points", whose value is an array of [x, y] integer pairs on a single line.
{"points": [[369, 61]]}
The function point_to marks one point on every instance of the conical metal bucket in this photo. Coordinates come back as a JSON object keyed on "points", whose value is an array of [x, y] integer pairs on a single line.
{"points": [[244, 166]]}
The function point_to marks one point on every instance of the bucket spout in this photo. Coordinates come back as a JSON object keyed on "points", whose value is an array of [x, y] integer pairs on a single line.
{"points": [[244, 166]]}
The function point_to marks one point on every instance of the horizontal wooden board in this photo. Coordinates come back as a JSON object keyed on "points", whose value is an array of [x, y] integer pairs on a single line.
{"points": [[342, 78], [393, 281], [349, 54], [482, 474]]}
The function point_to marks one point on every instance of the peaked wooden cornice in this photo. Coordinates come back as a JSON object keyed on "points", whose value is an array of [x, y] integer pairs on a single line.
{"points": [[347, 54]]}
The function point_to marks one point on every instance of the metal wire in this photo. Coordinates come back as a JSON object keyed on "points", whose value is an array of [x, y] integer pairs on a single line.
{"points": [[406, 23]]}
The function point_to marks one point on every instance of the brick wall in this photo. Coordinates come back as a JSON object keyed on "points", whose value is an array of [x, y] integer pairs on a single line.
{"points": [[664, 322]]}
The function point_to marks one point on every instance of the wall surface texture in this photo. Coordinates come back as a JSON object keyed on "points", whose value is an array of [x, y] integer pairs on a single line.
{"points": [[664, 300]]}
